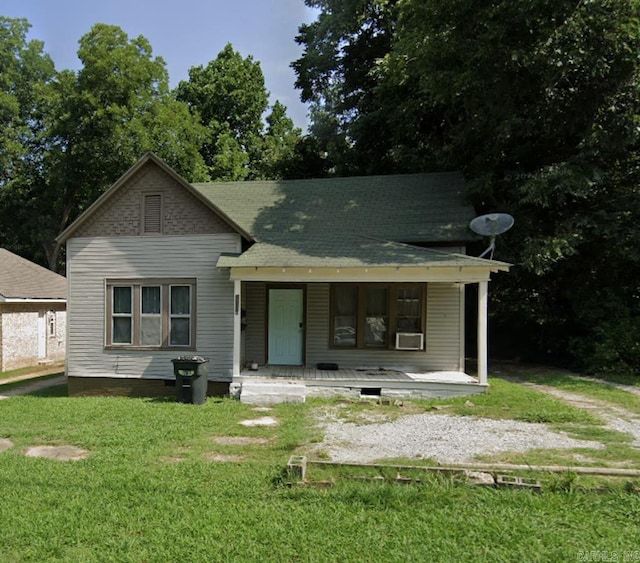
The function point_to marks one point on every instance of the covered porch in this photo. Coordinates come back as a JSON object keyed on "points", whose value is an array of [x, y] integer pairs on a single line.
{"points": [[433, 367]]}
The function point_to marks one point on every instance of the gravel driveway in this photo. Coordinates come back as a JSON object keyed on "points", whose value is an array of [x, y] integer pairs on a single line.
{"points": [[446, 438]]}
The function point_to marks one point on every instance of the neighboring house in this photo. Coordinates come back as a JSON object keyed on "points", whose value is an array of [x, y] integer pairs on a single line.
{"points": [[32, 313], [361, 272]]}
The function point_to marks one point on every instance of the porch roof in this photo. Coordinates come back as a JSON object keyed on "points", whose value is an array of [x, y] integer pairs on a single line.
{"points": [[357, 252], [354, 259]]}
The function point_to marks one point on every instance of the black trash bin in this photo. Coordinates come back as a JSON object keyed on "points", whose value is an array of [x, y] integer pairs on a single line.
{"points": [[191, 379]]}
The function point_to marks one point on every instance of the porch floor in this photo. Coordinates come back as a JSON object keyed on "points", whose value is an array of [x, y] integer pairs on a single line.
{"points": [[358, 375], [272, 384]]}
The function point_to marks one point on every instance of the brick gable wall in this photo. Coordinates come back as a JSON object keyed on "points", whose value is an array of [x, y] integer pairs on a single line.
{"points": [[183, 214]]}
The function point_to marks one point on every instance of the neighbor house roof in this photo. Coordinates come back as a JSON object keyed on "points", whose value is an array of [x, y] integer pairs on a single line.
{"points": [[22, 279]]}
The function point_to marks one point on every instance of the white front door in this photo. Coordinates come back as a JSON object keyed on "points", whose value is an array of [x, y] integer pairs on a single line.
{"points": [[42, 335], [286, 330]]}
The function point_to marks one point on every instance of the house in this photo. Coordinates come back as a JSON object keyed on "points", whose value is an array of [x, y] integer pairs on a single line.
{"points": [[32, 313], [363, 277]]}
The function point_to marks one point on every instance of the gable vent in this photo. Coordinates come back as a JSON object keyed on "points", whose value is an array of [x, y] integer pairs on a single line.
{"points": [[152, 220]]}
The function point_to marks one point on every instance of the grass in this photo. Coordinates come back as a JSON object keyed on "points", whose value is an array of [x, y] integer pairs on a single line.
{"points": [[148, 492]]}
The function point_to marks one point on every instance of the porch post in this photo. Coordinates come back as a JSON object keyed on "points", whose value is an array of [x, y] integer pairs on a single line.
{"points": [[237, 306], [483, 294]]}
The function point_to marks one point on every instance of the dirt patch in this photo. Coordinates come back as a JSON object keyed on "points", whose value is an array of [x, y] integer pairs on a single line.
{"points": [[238, 440], [5, 444], [616, 417], [223, 458], [59, 453]]}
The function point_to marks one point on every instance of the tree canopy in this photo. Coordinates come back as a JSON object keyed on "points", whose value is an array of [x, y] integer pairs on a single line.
{"points": [[230, 98], [67, 136], [537, 102]]}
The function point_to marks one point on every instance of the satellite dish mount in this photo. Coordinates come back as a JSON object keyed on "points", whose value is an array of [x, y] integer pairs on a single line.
{"points": [[491, 225]]}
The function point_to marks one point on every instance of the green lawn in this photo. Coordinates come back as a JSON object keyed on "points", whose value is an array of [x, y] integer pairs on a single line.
{"points": [[150, 491]]}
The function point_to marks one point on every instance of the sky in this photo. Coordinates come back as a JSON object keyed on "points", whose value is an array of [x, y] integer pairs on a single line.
{"points": [[184, 33]]}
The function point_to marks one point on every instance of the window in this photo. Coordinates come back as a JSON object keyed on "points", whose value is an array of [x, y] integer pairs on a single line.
{"points": [[147, 314], [151, 315], [179, 331], [122, 315], [345, 315], [51, 318], [376, 320], [151, 214], [370, 315]]}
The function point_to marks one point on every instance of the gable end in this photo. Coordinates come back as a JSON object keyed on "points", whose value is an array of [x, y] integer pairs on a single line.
{"points": [[149, 203]]}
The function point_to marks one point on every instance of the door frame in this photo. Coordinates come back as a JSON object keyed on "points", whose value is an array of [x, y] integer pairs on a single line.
{"points": [[268, 288]]}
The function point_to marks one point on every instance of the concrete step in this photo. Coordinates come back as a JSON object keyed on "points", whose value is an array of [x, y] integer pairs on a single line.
{"points": [[272, 392]]}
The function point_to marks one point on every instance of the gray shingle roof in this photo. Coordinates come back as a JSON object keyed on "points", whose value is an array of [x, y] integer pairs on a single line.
{"points": [[22, 279], [354, 253], [347, 222], [402, 208]]}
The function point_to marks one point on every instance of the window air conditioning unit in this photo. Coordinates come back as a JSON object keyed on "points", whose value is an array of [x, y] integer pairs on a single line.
{"points": [[409, 340]]}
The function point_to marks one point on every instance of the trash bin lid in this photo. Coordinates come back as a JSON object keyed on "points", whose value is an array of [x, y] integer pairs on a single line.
{"points": [[196, 359]]}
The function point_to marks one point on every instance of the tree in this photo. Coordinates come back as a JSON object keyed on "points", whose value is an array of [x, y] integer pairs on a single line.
{"points": [[116, 108], [229, 96], [26, 75], [279, 144], [337, 73], [537, 102]]}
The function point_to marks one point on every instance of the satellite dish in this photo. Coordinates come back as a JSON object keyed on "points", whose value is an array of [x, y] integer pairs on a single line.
{"points": [[491, 225]]}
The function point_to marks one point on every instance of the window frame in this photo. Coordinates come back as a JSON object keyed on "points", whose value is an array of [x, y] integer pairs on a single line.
{"points": [[136, 285], [361, 313]]}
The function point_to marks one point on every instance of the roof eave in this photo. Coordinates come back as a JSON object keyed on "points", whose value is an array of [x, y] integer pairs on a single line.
{"points": [[447, 273]]}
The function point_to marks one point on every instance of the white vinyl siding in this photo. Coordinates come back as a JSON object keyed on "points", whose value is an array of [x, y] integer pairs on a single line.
{"points": [[255, 296], [443, 337], [91, 261]]}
